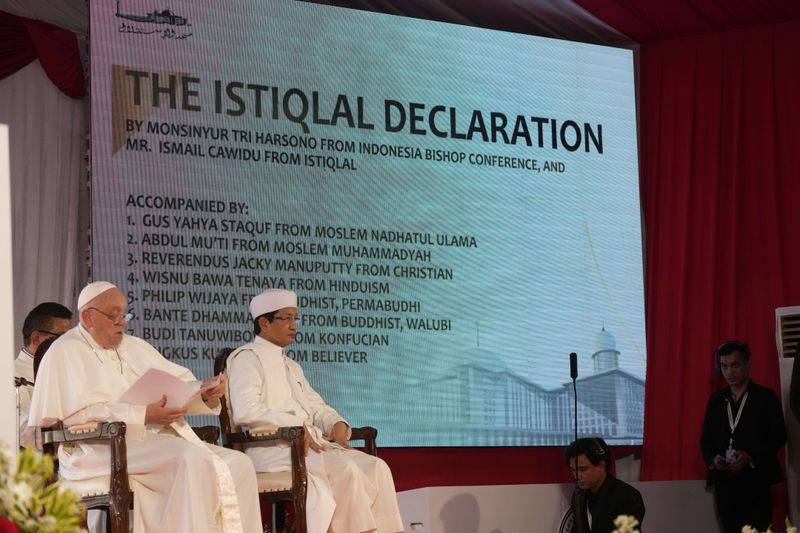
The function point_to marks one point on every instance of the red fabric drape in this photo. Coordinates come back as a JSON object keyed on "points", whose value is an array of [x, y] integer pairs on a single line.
{"points": [[16, 45], [720, 185], [655, 20], [24, 40], [436, 467]]}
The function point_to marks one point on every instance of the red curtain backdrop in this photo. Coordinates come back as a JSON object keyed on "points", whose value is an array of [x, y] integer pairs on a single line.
{"points": [[720, 174], [437, 467], [24, 40], [720, 164], [647, 21]]}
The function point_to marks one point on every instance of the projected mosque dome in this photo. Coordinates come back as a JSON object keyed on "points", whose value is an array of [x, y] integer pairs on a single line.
{"points": [[607, 356], [604, 340]]}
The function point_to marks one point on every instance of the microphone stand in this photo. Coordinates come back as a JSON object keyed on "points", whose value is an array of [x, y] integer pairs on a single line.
{"points": [[19, 382], [578, 500]]}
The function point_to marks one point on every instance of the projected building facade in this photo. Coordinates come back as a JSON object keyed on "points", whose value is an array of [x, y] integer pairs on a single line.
{"points": [[483, 403]]}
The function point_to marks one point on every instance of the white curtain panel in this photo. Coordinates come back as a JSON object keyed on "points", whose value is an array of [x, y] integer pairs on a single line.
{"points": [[50, 208]]}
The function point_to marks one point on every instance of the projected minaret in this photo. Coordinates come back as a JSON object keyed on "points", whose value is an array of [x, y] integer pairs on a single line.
{"points": [[607, 356]]}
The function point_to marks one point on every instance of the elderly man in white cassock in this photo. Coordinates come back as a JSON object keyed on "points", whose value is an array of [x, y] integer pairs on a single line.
{"points": [[348, 491], [180, 483]]}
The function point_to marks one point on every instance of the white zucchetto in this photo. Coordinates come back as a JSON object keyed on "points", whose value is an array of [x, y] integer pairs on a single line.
{"points": [[92, 291]]}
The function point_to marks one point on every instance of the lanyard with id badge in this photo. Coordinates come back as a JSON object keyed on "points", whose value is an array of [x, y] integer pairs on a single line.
{"points": [[730, 453]]}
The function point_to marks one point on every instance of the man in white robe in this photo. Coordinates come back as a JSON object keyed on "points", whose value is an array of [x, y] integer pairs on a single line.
{"points": [[180, 483], [45, 321], [348, 491]]}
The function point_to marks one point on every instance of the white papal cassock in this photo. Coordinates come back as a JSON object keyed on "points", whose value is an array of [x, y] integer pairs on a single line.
{"points": [[348, 491], [180, 483]]}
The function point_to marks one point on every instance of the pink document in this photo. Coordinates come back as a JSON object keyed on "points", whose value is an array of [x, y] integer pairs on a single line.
{"points": [[155, 383]]}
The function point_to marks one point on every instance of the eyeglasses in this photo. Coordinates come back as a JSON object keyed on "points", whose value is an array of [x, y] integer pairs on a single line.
{"points": [[51, 333], [116, 318], [286, 319]]}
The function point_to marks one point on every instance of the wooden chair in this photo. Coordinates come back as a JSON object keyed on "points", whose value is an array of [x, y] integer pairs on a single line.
{"points": [[111, 493], [280, 488]]}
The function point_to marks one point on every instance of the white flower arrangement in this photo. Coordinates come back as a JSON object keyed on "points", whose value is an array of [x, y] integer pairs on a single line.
{"points": [[625, 524], [789, 528], [30, 501]]}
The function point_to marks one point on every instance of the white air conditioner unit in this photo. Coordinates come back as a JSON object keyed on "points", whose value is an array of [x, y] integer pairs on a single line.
{"points": [[787, 335], [787, 330]]}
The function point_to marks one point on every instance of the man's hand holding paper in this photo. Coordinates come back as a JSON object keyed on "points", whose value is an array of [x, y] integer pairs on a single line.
{"points": [[214, 387], [158, 413], [155, 385]]}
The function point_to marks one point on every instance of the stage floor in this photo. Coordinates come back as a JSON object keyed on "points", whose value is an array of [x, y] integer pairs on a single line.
{"points": [[671, 506]]}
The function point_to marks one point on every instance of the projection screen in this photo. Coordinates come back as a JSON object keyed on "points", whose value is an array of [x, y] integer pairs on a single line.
{"points": [[457, 209]]}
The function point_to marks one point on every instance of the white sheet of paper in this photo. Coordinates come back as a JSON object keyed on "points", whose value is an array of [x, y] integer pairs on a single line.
{"points": [[155, 383]]}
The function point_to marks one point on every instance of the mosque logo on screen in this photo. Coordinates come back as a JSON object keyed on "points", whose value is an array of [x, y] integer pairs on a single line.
{"points": [[153, 23], [481, 402]]}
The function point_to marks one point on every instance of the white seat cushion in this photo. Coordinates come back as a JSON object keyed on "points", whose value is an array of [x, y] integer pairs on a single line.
{"points": [[274, 481], [95, 486]]}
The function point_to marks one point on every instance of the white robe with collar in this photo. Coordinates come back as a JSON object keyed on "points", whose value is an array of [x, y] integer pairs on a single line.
{"points": [[348, 491], [23, 368], [180, 484]]}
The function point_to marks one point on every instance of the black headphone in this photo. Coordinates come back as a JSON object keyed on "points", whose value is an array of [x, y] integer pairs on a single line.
{"points": [[728, 347], [599, 452]]}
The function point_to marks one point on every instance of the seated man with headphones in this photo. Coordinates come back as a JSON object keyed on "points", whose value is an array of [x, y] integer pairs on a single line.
{"points": [[743, 430], [599, 497]]}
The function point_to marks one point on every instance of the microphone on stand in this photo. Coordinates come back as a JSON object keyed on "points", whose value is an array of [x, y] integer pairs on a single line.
{"points": [[573, 373]]}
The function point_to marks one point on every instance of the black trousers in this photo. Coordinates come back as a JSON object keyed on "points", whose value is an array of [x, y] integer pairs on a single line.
{"points": [[742, 499]]}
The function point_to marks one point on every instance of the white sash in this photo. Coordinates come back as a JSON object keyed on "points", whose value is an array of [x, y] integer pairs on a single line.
{"points": [[228, 509]]}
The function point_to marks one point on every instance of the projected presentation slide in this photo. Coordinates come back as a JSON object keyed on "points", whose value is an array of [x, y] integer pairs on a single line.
{"points": [[457, 209]]}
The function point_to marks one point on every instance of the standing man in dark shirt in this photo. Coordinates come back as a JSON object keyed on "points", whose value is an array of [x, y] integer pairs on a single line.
{"points": [[742, 433], [606, 497]]}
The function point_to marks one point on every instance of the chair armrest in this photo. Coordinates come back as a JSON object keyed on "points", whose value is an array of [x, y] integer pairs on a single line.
{"points": [[114, 432], [209, 434], [294, 435], [267, 434], [369, 435], [59, 434]]}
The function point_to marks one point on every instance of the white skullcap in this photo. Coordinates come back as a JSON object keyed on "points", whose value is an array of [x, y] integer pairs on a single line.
{"points": [[92, 291], [271, 300]]}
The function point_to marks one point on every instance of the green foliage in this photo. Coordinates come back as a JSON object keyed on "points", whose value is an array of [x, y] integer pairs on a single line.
{"points": [[31, 501]]}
